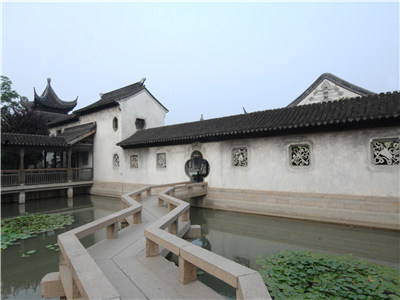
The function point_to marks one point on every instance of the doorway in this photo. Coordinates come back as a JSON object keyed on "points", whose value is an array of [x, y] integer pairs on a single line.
{"points": [[196, 168]]}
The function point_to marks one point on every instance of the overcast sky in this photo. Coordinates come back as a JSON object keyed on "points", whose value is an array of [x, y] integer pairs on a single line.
{"points": [[199, 58]]}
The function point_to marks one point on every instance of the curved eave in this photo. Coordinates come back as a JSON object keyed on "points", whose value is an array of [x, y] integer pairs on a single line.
{"points": [[50, 99]]}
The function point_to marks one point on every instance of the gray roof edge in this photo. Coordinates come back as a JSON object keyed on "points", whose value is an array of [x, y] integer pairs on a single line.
{"points": [[336, 80]]}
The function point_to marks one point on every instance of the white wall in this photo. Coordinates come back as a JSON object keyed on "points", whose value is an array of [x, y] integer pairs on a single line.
{"points": [[327, 89], [140, 105], [341, 163]]}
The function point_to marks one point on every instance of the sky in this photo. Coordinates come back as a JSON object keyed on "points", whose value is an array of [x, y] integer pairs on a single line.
{"points": [[210, 58]]}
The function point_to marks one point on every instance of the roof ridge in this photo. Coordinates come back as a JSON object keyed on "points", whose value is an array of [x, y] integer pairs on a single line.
{"points": [[327, 114]]}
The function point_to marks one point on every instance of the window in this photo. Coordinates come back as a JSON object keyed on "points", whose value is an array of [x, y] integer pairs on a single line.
{"points": [[386, 152], [85, 158], [116, 160], [134, 161], [300, 155], [239, 157], [115, 124], [140, 123], [161, 160]]}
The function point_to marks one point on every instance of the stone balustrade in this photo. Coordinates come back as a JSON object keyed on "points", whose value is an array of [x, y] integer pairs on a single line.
{"points": [[80, 277], [247, 282]]}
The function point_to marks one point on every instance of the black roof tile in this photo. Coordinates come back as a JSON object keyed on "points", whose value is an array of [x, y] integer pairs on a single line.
{"points": [[20, 139], [335, 115], [75, 133]]}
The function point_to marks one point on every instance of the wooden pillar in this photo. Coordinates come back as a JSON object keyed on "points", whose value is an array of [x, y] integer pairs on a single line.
{"points": [[21, 178], [69, 171]]}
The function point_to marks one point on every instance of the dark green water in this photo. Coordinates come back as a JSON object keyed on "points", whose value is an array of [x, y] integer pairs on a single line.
{"points": [[242, 237], [236, 236], [21, 276]]}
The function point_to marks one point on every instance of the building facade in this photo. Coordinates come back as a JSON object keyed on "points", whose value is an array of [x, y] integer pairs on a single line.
{"points": [[335, 160]]}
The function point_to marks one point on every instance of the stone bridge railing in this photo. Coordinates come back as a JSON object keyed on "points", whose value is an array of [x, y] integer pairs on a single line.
{"points": [[80, 277], [247, 282]]}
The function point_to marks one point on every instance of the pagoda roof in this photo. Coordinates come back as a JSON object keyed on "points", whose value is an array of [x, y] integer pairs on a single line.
{"points": [[49, 101]]}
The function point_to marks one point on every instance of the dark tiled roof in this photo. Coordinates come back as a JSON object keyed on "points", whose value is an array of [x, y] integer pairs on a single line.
{"points": [[336, 80], [107, 100], [110, 99], [76, 133], [49, 101], [376, 110], [19, 139], [64, 120]]}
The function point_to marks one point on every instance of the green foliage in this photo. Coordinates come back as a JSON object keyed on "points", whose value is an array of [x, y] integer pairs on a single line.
{"points": [[313, 275], [9, 96], [26, 226], [16, 118]]}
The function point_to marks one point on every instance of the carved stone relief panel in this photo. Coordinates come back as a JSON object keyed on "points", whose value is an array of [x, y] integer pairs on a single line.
{"points": [[161, 160], [134, 161], [386, 152], [239, 156], [116, 160], [300, 155]]}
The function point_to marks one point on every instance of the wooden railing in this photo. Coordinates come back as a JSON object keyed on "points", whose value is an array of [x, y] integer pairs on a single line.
{"points": [[39, 176], [44, 176], [82, 174], [247, 282], [9, 178]]}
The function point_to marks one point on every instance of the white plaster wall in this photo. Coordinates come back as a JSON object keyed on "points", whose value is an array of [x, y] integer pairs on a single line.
{"points": [[140, 105], [333, 92], [341, 163], [143, 106]]}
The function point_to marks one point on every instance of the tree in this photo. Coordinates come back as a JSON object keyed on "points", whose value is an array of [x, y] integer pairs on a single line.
{"points": [[16, 118], [8, 96]]}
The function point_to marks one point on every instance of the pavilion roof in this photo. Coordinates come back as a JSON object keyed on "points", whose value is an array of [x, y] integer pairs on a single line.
{"points": [[361, 112], [49, 101]]}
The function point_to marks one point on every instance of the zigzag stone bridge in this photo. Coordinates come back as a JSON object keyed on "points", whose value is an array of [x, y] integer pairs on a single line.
{"points": [[130, 263]]}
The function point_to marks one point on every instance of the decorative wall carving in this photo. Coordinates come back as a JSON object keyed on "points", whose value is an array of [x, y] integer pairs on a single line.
{"points": [[134, 161], [386, 152], [300, 155], [161, 160], [116, 160], [239, 156]]}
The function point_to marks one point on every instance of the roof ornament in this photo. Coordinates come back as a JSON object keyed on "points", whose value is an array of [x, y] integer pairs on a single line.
{"points": [[244, 110], [142, 80], [101, 95], [48, 80], [201, 118]]}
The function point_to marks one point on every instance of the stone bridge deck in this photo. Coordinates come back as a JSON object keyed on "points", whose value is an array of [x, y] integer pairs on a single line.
{"points": [[135, 276], [130, 263]]}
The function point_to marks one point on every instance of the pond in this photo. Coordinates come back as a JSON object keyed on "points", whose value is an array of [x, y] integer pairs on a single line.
{"points": [[20, 276], [242, 237], [236, 236]]}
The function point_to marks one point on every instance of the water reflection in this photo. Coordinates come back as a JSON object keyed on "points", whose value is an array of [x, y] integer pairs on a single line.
{"points": [[20, 276], [241, 237]]}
